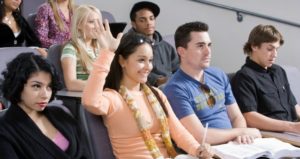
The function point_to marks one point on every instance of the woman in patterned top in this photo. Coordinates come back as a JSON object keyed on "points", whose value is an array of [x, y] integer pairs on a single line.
{"points": [[53, 22], [81, 51]]}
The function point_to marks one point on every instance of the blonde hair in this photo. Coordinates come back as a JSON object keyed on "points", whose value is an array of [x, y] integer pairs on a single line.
{"points": [[80, 17], [57, 17]]}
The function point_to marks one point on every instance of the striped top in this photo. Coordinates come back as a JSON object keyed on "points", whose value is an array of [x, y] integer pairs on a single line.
{"points": [[70, 51]]}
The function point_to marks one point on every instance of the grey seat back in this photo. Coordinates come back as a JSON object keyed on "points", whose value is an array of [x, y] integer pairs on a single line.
{"points": [[293, 74], [54, 54], [8, 53], [31, 20], [97, 136], [107, 15]]}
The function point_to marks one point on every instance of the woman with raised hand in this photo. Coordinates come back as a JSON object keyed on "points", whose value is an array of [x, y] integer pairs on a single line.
{"points": [[14, 29], [53, 22], [83, 48], [30, 129], [138, 117]]}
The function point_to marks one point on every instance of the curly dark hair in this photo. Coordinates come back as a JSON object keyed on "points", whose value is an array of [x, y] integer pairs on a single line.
{"points": [[19, 70]]}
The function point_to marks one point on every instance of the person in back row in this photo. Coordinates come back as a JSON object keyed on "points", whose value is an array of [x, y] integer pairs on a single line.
{"points": [[53, 22], [261, 87], [15, 30], [83, 48], [165, 60], [29, 128], [116, 89], [201, 95]]}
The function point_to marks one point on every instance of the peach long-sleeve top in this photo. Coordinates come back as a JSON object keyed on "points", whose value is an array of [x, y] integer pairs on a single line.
{"points": [[124, 133]]}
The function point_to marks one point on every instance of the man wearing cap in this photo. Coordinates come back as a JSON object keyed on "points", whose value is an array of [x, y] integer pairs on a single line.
{"points": [[165, 60]]}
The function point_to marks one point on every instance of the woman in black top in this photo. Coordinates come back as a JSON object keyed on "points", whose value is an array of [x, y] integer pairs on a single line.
{"points": [[29, 129], [14, 28]]}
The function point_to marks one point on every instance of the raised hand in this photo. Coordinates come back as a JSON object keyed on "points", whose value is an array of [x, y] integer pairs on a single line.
{"points": [[106, 39]]}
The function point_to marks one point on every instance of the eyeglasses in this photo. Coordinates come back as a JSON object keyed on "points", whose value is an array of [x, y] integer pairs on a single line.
{"points": [[211, 101]]}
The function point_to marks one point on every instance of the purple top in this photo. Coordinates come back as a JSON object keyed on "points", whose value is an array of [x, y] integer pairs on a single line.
{"points": [[61, 141], [46, 28]]}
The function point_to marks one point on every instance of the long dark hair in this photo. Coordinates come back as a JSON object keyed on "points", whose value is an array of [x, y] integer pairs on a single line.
{"points": [[15, 13], [128, 45]]}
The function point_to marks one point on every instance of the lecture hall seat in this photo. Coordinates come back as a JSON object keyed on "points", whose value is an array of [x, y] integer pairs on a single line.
{"points": [[31, 20], [107, 15], [293, 74], [72, 102], [54, 54], [97, 135]]}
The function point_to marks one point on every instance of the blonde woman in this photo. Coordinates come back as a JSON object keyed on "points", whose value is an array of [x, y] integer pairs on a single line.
{"points": [[81, 51], [53, 22]]}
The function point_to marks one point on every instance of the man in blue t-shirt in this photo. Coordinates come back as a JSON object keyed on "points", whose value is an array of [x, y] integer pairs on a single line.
{"points": [[200, 94]]}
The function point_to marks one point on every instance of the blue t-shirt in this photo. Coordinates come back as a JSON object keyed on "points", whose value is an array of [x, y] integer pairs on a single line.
{"points": [[186, 97]]}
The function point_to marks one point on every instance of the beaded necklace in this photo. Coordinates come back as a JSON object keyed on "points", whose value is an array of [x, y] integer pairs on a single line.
{"points": [[144, 127]]}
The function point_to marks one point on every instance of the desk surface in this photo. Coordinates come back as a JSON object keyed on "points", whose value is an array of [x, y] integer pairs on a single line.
{"points": [[291, 138]]}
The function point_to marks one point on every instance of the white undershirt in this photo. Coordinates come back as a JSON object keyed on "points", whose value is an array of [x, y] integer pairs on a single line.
{"points": [[17, 34]]}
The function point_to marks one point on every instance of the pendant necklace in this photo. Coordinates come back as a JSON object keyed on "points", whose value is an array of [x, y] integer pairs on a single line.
{"points": [[8, 20]]}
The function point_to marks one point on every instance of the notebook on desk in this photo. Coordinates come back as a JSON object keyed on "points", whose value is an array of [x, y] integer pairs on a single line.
{"points": [[262, 147], [117, 27]]}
